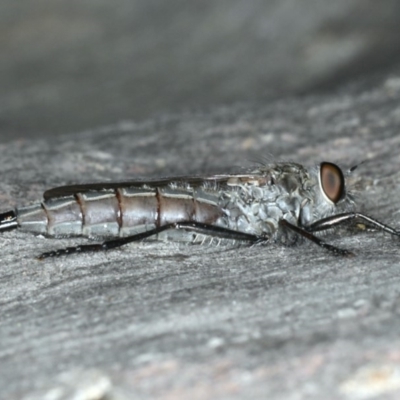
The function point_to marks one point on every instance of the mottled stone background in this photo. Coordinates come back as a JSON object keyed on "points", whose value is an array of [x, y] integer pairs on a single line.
{"points": [[95, 91]]}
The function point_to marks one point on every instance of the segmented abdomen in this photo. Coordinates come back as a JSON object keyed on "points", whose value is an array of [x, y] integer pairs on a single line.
{"points": [[120, 212]]}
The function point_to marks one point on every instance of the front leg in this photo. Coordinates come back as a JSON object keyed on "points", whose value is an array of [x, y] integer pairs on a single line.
{"points": [[339, 219]]}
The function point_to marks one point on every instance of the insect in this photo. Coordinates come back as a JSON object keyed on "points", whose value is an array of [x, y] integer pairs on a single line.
{"points": [[278, 202]]}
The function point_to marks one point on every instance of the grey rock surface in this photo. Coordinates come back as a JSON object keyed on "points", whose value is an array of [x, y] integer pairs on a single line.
{"points": [[69, 65], [170, 321]]}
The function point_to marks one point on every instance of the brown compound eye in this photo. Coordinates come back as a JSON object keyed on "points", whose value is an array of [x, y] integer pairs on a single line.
{"points": [[332, 181]]}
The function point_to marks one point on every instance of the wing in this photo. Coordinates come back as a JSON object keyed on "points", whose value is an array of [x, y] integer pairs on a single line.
{"points": [[195, 181], [183, 181]]}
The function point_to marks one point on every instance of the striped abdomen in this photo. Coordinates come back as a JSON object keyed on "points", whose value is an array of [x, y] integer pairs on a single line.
{"points": [[119, 212]]}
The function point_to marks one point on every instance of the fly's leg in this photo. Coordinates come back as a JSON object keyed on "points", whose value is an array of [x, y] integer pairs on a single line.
{"points": [[337, 220], [197, 227], [308, 235]]}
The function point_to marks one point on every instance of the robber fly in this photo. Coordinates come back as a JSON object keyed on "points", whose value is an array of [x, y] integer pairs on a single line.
{"points": [[278, 202]]}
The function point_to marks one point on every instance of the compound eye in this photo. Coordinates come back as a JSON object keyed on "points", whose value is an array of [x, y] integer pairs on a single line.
{"points": [[332, 181]]}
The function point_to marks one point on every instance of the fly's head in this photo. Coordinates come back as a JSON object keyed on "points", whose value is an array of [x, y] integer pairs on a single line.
{"points": [[328, 192]]}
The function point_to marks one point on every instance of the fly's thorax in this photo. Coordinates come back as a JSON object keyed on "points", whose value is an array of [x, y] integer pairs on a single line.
{"points": [[257, 202]]}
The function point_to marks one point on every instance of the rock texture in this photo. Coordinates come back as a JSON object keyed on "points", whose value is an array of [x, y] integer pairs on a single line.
{"points": [[163, 320]]}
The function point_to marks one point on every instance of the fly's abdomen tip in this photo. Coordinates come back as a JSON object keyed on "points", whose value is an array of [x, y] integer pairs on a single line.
{"points": [[8, 221]]}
